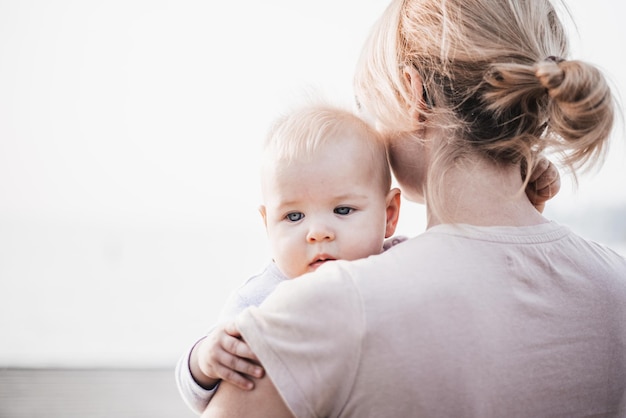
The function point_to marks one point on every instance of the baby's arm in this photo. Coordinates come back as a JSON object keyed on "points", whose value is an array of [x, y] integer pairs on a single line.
{"points": [[195, 396], [220, 355], [196, 375]]}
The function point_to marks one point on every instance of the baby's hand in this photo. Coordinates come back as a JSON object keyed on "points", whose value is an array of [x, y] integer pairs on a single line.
{"points": [[544, 183], [223, 355]]}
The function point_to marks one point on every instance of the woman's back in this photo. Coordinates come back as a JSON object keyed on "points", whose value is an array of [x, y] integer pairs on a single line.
{"points": [[540, 332], [415, 333]]}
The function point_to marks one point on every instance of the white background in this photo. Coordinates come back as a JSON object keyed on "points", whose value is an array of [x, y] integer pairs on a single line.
{"points": [[129, 132]]}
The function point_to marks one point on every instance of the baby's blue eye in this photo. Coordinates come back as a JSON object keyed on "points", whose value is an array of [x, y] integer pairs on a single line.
{"points": [[343, 210], [295, 216]]}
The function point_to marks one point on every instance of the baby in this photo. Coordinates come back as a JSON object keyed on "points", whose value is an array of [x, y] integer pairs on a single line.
{"points": [[326, 191]]}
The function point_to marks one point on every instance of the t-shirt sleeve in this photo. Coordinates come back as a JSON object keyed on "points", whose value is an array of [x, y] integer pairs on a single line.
{"points": [[308, 336]]}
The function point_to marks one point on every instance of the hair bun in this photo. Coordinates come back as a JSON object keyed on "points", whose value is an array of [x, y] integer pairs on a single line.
{"points": [[550, 74]]}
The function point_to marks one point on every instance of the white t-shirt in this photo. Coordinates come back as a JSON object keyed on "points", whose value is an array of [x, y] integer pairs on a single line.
{"points": [[460, 321]]}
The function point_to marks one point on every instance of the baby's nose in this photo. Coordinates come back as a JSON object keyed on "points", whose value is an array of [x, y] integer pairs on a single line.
{"points": [[320, 233]]}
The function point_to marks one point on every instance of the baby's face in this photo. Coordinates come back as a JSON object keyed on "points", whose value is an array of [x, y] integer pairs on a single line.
{"points": [[329, 207]]}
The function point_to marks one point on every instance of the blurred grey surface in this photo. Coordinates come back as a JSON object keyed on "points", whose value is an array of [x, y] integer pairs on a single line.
{"points": [[94, 393]]}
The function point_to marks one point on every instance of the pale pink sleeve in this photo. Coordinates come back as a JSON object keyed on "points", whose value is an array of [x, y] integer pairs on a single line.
{"points": [[194, 395]]}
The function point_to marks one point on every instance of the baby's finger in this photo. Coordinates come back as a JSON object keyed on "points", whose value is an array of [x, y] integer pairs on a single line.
{"points": [[237, 347], [244, 366], [231, 329], [235, 378], [238, 371]]}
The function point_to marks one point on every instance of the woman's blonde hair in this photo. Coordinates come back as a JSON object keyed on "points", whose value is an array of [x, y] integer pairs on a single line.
{"points": [[496, 79]]}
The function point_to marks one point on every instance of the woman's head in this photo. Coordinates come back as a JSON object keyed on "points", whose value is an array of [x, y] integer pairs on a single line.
{"points": [[490, 76]]}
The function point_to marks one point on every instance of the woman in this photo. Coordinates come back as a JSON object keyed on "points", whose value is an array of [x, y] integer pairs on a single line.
{"points": [[494, 310]]}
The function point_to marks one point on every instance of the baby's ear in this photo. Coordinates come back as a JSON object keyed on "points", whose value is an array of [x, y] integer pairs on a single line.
{"points": [[263, 213]]}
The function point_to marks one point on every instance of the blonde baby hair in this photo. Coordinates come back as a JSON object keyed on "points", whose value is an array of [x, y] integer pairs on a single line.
{"points": [[299, 134]]}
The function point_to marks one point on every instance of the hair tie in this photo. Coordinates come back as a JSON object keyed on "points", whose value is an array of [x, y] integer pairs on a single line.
{"points": [[554, 59]]}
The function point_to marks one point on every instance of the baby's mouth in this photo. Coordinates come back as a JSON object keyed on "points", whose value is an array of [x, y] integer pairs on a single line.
{"points": [[319, 261]]}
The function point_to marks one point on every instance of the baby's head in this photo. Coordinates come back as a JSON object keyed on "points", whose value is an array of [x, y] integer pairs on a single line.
{"points": [[325, 184]]}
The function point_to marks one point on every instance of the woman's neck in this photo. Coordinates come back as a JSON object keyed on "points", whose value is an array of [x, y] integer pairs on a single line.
{"points": [[485, 194]]}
